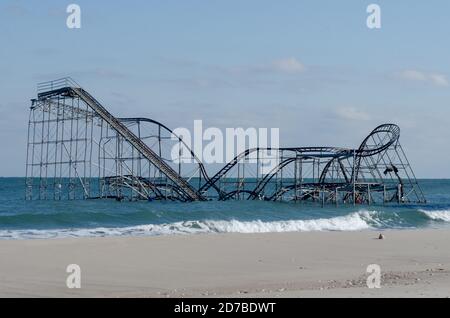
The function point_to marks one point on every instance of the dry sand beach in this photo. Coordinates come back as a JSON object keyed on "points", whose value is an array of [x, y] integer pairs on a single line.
{"points": [[414, 263]]}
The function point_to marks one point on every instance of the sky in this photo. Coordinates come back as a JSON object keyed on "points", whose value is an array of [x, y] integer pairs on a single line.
{"points": [[311, 68]]}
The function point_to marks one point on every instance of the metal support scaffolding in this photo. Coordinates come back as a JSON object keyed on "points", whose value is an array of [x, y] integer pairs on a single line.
{"points": [[78, 150]]}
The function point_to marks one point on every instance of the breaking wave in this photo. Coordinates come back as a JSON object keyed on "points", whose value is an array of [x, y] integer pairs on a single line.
{"points": [[352, 222], [355, 221], [437, 215]]}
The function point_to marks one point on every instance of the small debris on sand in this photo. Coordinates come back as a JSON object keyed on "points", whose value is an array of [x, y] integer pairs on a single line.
{"points": [[381, 237]]}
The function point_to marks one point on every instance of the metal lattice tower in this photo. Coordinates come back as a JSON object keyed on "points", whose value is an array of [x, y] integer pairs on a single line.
{"points": [[79, 150]]}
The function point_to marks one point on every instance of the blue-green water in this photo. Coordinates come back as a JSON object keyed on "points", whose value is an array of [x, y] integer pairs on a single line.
{"points": [[53, 219]]}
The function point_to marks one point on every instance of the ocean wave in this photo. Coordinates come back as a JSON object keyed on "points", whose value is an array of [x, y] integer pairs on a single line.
{"points": [[437, 215], [352, 222]]}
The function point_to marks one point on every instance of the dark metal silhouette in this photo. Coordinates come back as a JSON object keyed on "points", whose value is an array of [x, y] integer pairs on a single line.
{"points": [[79, 150]]}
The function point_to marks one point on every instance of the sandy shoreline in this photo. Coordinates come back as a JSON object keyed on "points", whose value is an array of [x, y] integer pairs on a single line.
{"points": [[314, 264]]}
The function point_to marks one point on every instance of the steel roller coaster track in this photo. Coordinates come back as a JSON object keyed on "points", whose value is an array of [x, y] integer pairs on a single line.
{"points": [[78, 150]]}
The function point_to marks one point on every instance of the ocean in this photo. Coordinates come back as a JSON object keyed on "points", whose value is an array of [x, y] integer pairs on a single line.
{"points": [[21, 219]]}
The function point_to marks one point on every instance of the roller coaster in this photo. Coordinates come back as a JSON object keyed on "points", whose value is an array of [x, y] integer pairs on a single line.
{"points": [[78, 150]]}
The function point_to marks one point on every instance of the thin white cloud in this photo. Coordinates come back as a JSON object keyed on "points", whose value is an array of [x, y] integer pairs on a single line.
{"points": [[439, 79], [436, 79], [351, 113], [288, 65]]}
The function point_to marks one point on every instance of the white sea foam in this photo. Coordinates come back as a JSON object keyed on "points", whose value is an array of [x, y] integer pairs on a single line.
{"points": [[351, 222], [438, 215]]}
